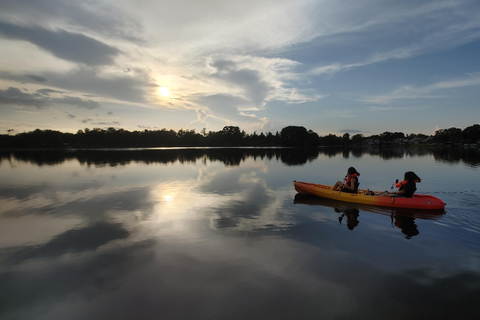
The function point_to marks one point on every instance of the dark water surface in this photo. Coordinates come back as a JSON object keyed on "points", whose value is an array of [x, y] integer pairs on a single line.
{"points": [[222, 234]]}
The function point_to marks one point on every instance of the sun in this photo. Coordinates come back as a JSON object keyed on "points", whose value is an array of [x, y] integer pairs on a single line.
{"points": [[164, 91]]}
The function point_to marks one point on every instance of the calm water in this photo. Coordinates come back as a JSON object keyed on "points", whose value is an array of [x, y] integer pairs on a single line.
{"points": [[221, 234]]}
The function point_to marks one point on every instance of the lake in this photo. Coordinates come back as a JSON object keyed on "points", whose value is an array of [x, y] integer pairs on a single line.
{"points": [[222, 234]]}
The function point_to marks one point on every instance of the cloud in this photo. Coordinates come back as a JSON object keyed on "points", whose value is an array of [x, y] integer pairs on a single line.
{"points": [[247, 80], [245, 84], [425, 92], [13, 96], [69, 46], [238, 86], [222, 106], [47, 92], [98, 17], [36, 78], [395, 31], [77, 102], [351, 131], [117, 86], [41, 98], [114, 123]]}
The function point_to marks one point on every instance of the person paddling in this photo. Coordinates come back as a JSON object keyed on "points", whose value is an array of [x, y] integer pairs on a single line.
{"points": [[351, 183], [407, 187]]}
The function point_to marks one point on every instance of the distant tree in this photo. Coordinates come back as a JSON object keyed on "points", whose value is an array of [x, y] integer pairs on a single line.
{"points": [[331, 140], [313, 138], [228, 136], [294, 136], [346, 139], [416, 135], [232, 135], [398, 135], [453, 135], [472, 133], [190, 138], [357, 139], [386, 137]]}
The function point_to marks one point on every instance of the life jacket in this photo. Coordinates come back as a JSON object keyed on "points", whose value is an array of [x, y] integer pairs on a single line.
{"points": [[349, 178], [404, 182]]}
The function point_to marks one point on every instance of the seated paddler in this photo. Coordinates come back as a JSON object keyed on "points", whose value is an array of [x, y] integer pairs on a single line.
{"points": [[350, 183], [407, 187]]}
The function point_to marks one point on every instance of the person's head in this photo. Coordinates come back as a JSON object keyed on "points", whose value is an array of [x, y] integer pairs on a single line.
{"points": [[411, 176], [352, 170]]}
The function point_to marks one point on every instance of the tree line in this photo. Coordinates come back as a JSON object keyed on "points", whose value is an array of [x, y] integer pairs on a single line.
{"points": [[291, 136]]}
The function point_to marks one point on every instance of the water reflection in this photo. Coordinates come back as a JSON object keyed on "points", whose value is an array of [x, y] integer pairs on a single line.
{"points": [[352, 216], [73, 241], [234, 156], [402, 218], [213, 234], [116, 157]]}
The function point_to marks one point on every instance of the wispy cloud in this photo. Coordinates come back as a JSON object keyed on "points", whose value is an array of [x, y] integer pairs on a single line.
{"points": [[430, 27], [425, 92]]}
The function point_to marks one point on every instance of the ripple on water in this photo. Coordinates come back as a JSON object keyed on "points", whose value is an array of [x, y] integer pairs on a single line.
{"points": [[462, 217]]}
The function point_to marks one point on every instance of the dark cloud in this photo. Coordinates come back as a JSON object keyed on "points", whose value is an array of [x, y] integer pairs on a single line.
{"points": [[125, 88], [13, 96], [69, 46], [129, 87], [36, 78], [114, 123], [41, 98], [48, 91], [77, 102], [97, 16]]}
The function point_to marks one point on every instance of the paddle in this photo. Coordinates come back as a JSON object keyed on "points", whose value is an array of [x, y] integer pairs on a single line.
{"points": [[393, 197]]}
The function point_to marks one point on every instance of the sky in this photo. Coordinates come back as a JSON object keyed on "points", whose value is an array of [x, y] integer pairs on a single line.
{"points": [[331, 66]]}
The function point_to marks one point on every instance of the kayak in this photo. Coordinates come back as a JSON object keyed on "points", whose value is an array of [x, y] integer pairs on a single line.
{"points": [[418, 201]]}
